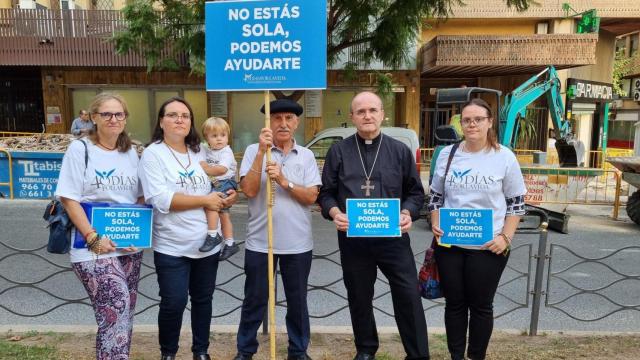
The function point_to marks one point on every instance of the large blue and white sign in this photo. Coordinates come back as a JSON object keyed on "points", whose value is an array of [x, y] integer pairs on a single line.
{"points": [[125, 225], [468, 227], [266, 45], [373, 217], [34, 174]]}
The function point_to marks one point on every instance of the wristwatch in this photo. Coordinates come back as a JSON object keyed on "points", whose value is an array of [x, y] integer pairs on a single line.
{"points": [[290, 186]]}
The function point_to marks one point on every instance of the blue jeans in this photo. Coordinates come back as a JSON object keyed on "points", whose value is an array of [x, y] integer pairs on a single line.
{"points": [[294, 269], [223, 186], [179, 277]]}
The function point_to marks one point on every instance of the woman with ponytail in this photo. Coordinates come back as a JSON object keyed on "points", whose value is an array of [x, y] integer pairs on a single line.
{"points": [[483, 175]]}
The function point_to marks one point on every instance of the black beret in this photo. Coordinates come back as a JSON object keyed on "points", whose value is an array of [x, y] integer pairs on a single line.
{"points": [[284, 105]]}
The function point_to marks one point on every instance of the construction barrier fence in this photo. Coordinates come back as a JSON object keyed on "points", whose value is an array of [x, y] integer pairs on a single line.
{"points": [[598, 184]]}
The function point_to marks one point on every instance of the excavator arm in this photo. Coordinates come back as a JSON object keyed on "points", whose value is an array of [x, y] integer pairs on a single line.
{"points": [[546, 83]]}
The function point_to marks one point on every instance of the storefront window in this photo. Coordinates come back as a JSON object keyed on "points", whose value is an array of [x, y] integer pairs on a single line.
{"points": [[82, 100], [159, 97], [143, 106], [621, 134], [198, 101], [140, 122]]}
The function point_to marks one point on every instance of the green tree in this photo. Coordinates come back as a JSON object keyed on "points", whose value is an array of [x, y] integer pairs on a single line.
{"points": [[381, 30], [623, 65]]}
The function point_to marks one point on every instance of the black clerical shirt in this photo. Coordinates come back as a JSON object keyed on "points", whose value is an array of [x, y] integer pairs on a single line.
{"points": [[394, 174]]}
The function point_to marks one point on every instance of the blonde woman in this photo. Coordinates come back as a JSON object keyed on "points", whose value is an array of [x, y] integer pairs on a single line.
{"points": [[109, 275]]}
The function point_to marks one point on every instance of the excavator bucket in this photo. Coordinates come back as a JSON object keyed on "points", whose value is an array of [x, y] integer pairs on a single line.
{"points": [[567, 153]]}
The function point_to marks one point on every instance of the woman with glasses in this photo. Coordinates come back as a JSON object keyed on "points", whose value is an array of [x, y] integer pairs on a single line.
{"points": [[180, 191], [482, 175], [103, 167]]}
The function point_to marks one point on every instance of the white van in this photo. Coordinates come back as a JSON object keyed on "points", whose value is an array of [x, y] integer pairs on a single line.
{"points": [[321, 143]]}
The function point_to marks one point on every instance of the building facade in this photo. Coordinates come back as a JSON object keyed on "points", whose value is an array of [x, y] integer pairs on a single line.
{"points": [[54, 58], [486, 44]]}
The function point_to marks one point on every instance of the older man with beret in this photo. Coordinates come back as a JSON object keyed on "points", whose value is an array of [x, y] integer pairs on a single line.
{"points": [[295, 173]]}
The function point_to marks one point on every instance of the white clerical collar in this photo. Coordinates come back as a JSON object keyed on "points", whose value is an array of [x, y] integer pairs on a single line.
{"points": [[369, 141]]}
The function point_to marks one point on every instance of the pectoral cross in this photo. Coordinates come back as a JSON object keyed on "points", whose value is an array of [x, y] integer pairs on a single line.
{"points": [[366, 187]]}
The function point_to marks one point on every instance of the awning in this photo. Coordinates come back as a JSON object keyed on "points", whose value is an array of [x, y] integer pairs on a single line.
{"points": [[490, 55]]}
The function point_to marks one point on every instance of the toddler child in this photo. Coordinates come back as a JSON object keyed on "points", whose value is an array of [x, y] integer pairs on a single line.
{"points": [[221, 167]]}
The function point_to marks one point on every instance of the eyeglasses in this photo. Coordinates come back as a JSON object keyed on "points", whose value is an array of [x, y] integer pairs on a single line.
{"points": [[175, 116], [106, 116], [475, 120]]}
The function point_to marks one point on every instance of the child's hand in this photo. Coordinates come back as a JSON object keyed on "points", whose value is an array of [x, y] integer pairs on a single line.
{"points": [[231, 198]]}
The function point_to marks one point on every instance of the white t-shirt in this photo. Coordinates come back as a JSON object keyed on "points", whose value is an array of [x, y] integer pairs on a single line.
{"points": [[480, 180], [223, 157], [110, 176], [291, 220], [175, 233]]}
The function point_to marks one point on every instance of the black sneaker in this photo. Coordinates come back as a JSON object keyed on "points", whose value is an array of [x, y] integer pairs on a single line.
{"points": [[210, 242], [228, 251]]}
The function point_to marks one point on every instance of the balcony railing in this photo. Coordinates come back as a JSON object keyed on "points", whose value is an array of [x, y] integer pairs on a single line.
{"points": [[43, 37], [481, 55], [45, 23]]}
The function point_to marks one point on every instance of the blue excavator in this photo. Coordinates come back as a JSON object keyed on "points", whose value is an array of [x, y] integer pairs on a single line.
{"points": [[546, 83]]}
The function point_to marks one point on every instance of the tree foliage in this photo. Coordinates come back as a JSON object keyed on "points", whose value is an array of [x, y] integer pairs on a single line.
{"points": [[623, 65], [163, 36], [383, 30]]}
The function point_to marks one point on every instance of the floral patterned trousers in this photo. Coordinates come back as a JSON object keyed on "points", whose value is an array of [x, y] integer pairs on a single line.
{"points": [[112, 285]]}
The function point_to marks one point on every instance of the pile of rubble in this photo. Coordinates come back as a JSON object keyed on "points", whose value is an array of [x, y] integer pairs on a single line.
{"points": [[39, 142], [45, 143]]}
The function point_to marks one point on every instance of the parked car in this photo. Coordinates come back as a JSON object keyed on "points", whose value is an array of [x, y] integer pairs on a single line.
{"points": [[321, 143]]}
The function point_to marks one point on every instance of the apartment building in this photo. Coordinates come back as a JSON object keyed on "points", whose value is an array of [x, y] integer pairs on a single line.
{"points": [[484, 43]]}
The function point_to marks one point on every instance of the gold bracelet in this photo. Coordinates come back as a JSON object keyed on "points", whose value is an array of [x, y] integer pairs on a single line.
{"points": [[89, 233], [92, 240], [506, 237], [254, 170]]}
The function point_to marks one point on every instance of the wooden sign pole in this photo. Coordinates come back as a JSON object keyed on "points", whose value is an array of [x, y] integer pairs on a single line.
{"points": [[270, 272]]}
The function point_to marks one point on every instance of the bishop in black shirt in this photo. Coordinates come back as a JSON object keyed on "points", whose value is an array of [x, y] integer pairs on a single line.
{"points": [[370, 164]]}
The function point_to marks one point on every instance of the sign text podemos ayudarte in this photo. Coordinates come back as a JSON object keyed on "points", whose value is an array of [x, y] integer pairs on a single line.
{"points": [[125, 225], [373, 217], [470, 227], [266, 45]]}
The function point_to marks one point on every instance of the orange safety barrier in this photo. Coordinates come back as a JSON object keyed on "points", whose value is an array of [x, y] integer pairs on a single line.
{"points": [[10, 167]]}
